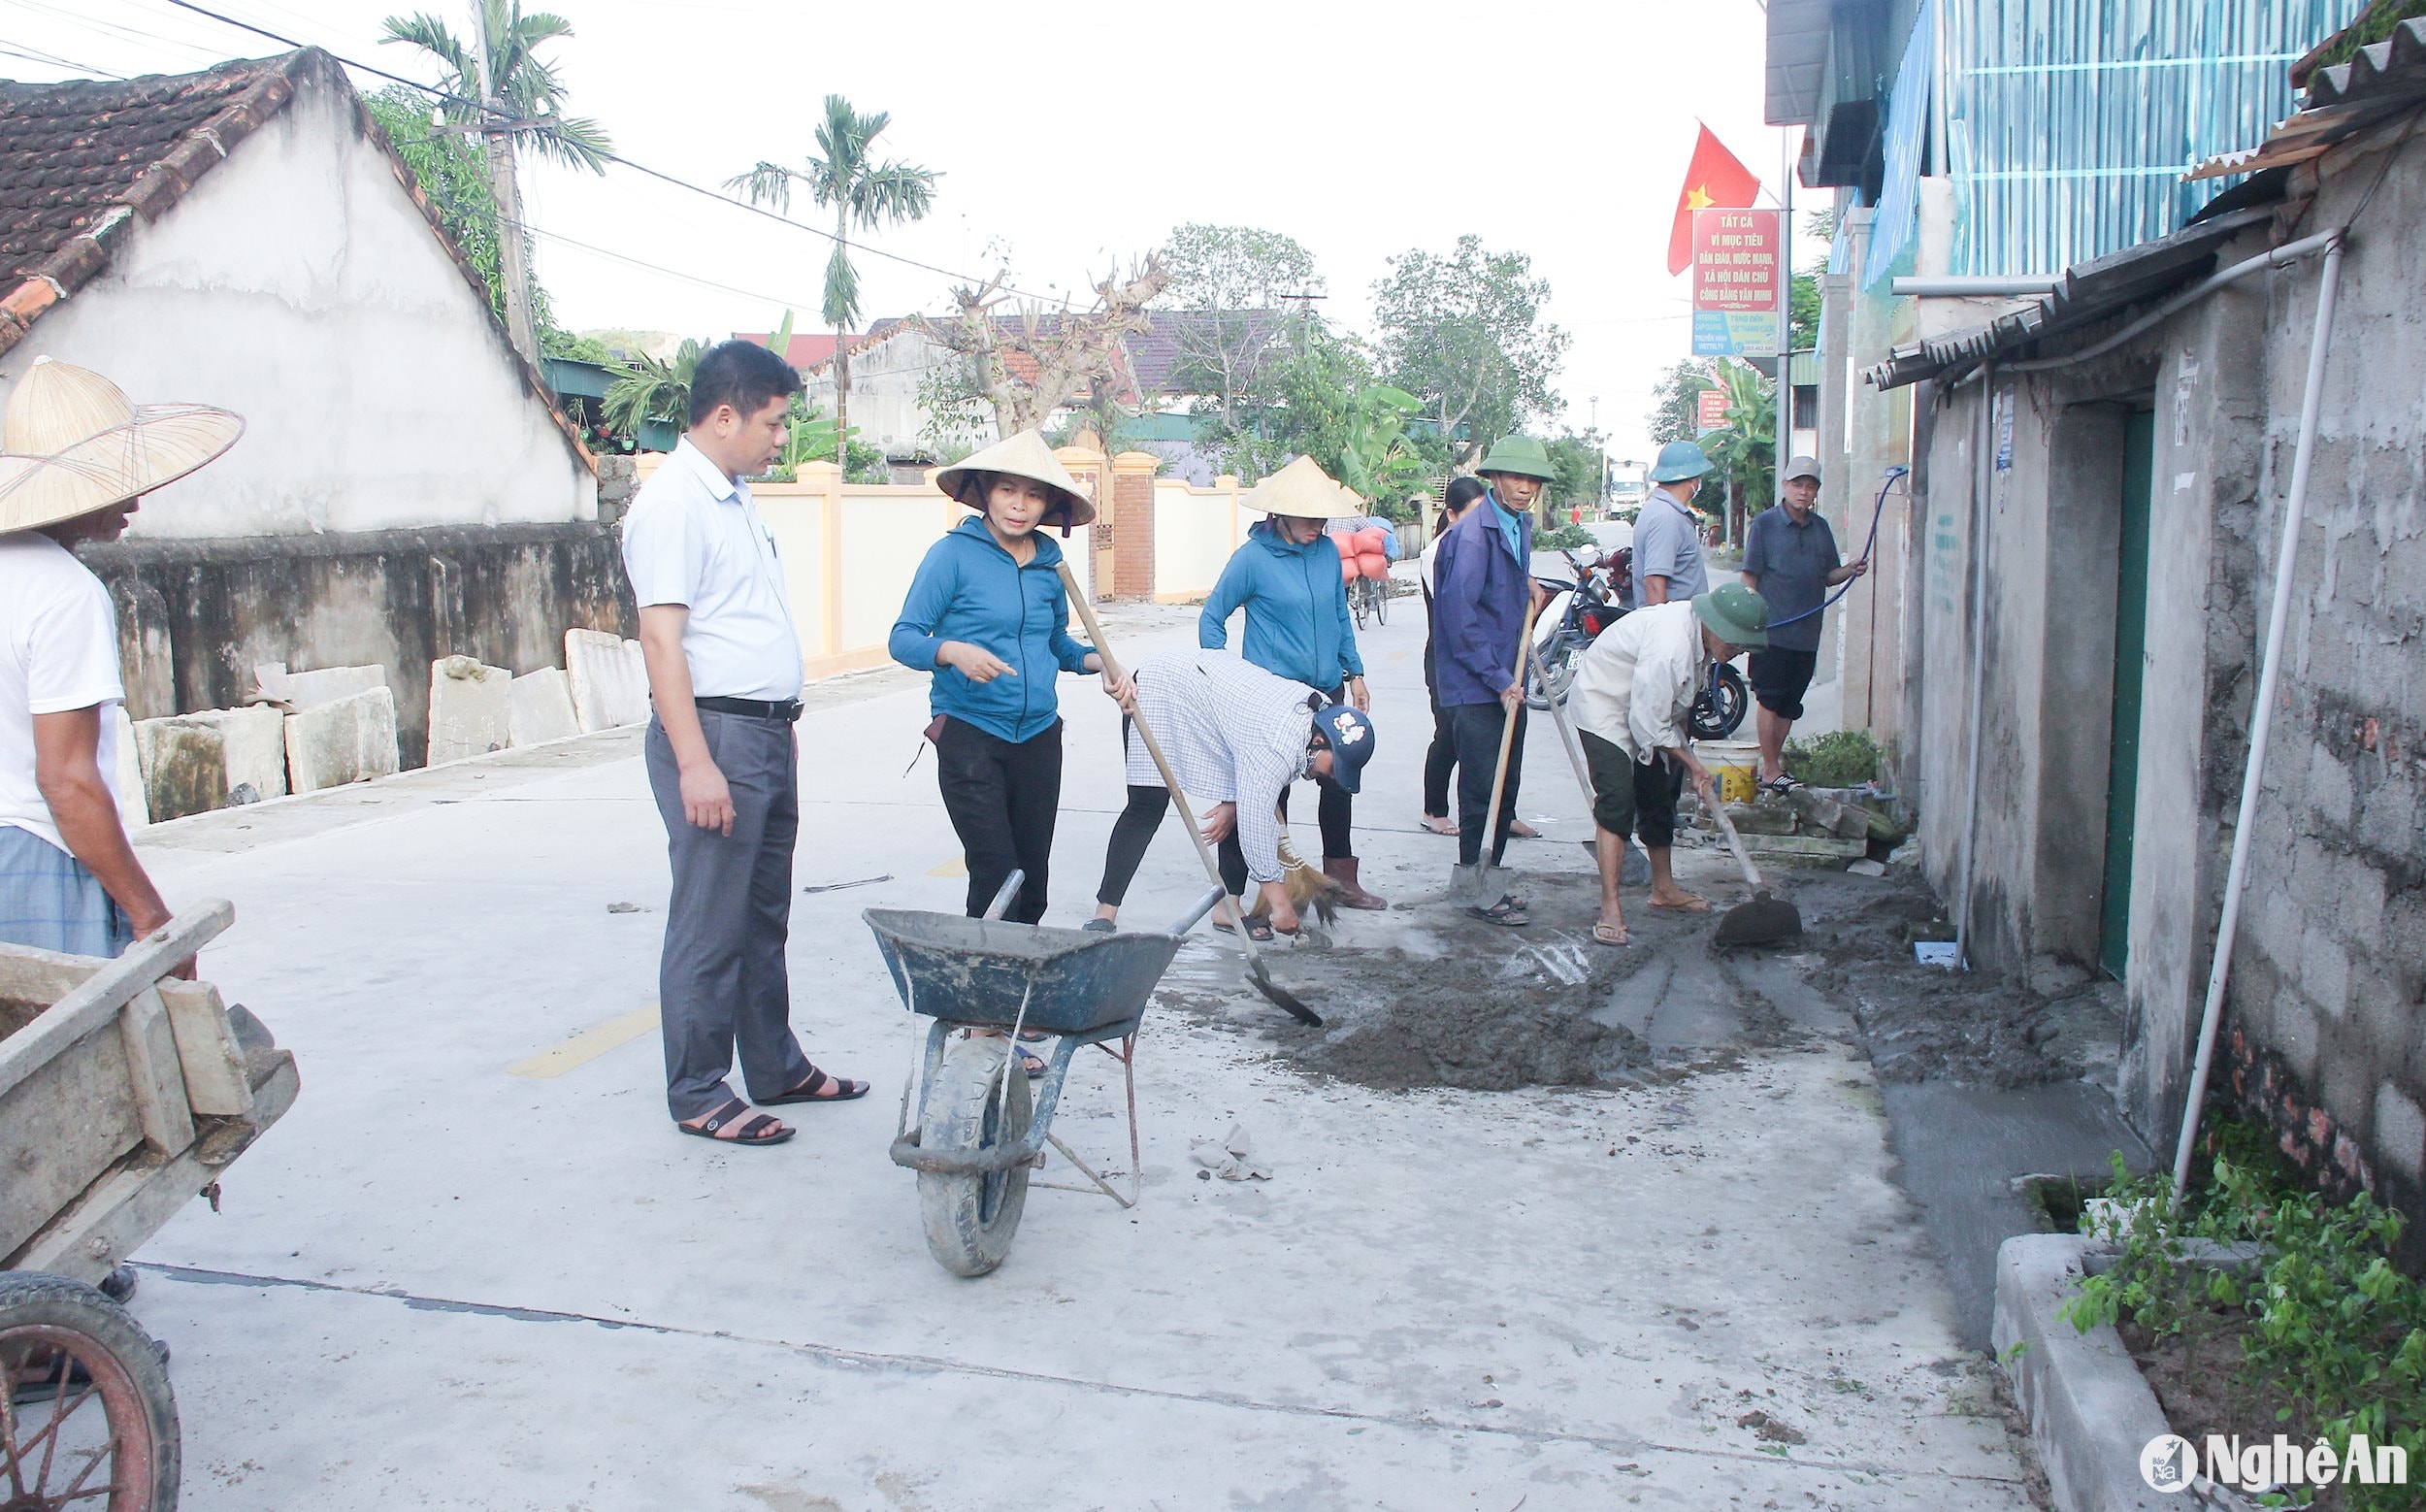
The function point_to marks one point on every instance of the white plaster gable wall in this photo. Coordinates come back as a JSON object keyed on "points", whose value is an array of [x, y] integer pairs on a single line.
{"points": [[298, 284]]}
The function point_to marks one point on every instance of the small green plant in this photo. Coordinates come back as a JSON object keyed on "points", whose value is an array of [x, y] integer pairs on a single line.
{"points": [[1840, 758], [1565, 538], [2335, 1336]]}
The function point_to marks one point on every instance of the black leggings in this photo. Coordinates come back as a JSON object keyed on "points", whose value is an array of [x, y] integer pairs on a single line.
{"points": [[1440, 758], [1135, 830], [1002, 799]]}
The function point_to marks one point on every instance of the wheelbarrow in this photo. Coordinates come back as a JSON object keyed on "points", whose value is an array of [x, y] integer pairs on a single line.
{"points": [[980, 1131], [124, 1094]]}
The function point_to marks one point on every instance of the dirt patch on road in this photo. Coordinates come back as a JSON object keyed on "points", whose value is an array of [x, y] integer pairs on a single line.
{"points": [[1927, 1022], [1487, 1025]]}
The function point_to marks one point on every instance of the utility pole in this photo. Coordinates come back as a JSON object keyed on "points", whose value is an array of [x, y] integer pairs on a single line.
{"points": [[1600, 480]]}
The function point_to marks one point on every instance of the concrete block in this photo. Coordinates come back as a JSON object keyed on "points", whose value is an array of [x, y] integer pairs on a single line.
{"points": [[2294, 1031], [256, 750], [2324, 970], [2277, 924], [609, 680], [127, 773], [2400, 1132], [539, 708], [194, 763], [351, 739], [2090, 1412], [470, 709], [301, 690], [184, 767], [2328, 787]]}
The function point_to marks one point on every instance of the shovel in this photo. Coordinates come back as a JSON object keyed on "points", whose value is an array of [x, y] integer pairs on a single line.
{"points": [[1763, 921], [1257, 976]]}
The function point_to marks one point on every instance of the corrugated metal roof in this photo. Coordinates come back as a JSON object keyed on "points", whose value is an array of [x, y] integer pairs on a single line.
{"points": [[2092, 291], [2382, 82], [2071, 123]]}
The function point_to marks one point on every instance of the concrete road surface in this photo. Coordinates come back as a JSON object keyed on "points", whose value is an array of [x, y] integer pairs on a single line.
{"points": [[475, 1268]]}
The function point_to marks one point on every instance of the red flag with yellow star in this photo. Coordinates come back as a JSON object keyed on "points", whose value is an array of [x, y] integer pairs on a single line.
{"points": [[1714, 177]]}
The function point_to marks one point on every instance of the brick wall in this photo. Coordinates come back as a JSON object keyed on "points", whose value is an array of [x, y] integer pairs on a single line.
{"points": [[1133, 525]]}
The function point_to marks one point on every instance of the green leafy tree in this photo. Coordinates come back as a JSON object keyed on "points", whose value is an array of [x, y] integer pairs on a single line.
{"points": [[1676, 416], [1234, 287], [863, 194], [1575, 459], [513, 100], [1464, 332]]}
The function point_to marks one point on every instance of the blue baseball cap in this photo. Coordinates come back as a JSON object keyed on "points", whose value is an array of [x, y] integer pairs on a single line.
{"points": [[1351, 735]]}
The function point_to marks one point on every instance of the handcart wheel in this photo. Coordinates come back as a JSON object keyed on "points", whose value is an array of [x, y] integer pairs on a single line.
{"points": [[87, 1413], [970, 1219]]}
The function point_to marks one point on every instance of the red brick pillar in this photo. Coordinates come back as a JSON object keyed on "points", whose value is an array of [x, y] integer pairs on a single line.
{"points": [[1133, 528]]}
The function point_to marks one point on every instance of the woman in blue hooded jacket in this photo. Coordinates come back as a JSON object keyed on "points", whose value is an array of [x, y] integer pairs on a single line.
{"points": [[1288, 579], [987, 617]]}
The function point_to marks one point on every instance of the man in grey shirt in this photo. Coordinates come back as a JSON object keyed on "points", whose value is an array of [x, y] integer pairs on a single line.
{"points": [[1667, 533], [1790, 559]]}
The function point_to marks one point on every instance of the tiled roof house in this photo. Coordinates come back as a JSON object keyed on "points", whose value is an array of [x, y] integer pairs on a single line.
{"points": [[405, 487]]}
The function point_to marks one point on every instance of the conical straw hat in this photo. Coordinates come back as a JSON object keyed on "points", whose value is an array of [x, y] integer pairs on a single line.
{"points": [[1025, 455], [71, 442], [1302, 489]]}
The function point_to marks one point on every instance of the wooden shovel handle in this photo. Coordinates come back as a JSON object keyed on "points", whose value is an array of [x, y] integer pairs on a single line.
{"points": [[1153, 747], [1507, 729]]}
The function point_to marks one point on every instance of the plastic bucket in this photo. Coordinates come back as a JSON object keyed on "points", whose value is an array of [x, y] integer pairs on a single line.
{"points": [[1736, 763]]}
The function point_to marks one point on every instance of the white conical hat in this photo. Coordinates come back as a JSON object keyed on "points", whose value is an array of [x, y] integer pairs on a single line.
{"points": [[71, 442], [1303, 489], [1025, 455]]}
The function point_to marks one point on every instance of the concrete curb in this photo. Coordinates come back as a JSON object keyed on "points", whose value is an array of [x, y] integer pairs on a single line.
{"points": [[2090, 1412]]}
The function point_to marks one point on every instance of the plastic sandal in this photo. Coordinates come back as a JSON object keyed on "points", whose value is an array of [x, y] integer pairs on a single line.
{"points": [[755, 1131]]}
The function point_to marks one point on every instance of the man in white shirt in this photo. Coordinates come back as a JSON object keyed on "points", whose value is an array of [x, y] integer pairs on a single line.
{"points": [[1633, 690], [75, 459], [724, 676]]}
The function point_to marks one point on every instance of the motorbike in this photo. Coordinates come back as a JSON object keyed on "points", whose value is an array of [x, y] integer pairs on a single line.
{"points": [[1580, 610]]}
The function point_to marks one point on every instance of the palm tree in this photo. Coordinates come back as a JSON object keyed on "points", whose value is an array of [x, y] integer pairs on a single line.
{"points": [[862, 193], [513, 99]]}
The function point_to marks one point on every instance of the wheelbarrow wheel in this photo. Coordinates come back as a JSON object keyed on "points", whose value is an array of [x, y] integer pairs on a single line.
{"points": [[87, 1420], [969, 1220]]}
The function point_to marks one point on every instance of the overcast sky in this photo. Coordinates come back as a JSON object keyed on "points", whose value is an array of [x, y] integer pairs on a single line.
{"points": [[1074, 142]]}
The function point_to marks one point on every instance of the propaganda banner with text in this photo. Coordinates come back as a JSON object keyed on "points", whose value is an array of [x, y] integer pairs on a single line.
{"points": [[1736, 282], [1709, 411]]}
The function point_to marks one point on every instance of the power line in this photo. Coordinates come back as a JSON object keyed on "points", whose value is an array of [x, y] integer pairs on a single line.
{"points": [[640, 168], [53, 60], [671, 273]]}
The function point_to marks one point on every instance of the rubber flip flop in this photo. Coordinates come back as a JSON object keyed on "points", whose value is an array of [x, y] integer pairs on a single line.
{"points": [[1098, 926], [1505, 913], [811, 1091], [1611, 935], [755, 1131], [1698, 906]]}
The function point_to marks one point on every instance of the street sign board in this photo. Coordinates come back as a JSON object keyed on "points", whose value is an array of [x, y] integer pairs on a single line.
{"points": [[1710, 410], [1736, 284]]}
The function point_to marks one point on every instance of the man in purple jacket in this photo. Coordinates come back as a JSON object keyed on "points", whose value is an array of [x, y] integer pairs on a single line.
{"points": [[1485, 580]]}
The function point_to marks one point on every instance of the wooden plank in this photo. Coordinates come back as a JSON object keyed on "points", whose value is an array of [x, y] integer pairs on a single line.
{"points": [[32, 980], [215, 1079], [101, 995], [154, 1075], [122, 1211], [61, 1128]]}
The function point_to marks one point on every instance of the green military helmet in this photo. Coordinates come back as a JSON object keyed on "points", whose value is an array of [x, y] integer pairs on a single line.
{"points": [[1523, 455]]}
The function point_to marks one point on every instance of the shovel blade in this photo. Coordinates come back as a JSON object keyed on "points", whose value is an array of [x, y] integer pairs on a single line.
{"points": [[1281, 997], [1763, 921]]}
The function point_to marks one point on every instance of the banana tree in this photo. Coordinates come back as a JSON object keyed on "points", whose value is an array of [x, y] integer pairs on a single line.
{"points": [[646, 388], [1376, 459], [1744, 447]]}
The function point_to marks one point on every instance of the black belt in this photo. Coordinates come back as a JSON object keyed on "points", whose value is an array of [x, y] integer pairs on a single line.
{"points": [[789, 710]]}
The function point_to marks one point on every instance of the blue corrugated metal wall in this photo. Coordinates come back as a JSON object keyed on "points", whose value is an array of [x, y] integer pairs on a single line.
{"points": [[2071, 122]]}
